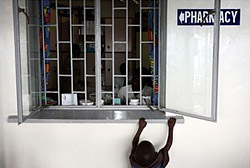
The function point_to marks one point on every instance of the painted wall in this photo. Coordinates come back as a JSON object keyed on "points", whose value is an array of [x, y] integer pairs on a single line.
{"points": [[197, 143]]}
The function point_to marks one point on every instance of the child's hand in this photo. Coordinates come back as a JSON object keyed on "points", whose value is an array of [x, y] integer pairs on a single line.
{"points": [[171, 122], [142, 123]]}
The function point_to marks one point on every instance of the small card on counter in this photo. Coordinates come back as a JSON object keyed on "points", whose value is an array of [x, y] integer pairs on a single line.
{"points": [[69, 99]]}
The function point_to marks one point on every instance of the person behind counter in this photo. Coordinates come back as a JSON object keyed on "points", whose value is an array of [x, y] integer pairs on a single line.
{"points": [[147, 90]]}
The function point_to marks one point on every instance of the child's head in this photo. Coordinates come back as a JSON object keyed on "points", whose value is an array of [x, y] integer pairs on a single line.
{"points": [[145, 153]]}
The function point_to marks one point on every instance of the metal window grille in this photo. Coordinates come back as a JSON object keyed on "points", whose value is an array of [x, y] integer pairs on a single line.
{"points": [[58, 22]]}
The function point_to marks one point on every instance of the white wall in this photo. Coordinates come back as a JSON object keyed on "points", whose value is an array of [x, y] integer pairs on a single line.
{"points": [[197, 143]]}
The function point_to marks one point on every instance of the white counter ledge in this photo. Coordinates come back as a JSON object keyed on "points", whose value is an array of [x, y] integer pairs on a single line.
{"points": [[97, 116]]}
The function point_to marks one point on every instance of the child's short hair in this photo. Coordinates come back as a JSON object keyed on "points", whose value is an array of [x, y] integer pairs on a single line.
{"points": [[145, 153]]}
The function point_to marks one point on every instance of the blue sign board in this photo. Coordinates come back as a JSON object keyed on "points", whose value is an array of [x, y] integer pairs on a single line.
{"points": [[204, 17]]}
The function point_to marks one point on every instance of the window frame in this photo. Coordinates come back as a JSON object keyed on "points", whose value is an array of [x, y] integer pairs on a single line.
{"points": [[215, 64], [18, 62], [98, 106], [162, 66]]}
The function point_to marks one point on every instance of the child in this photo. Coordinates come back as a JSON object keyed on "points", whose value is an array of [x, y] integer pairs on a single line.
{"points": [[144, 155]]}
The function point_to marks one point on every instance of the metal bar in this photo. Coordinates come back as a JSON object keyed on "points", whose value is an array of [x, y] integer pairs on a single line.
{"points": [[113, 53], [78, 59], [63, 75], [127, 51], [71, 46], [77, 25], [217, 4], [133, 59], [148, 8], [18, 62], [154, 78], [44, 67], [140, 50], [120, 76], [126, 68], [81, 92], [85, 53], [133, 91], [159, 49], [65, 8], [28, 55], [90, 75], [108, 25], [52, 91], [98, 52], [39, 53], [63, 42], [106, 59], [163, 54], [133, 25], [147, 75], [119, 8], [51, 59], [58, 55], [106, 92]]}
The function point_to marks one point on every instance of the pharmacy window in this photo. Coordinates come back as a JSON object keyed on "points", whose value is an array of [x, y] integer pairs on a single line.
{"points": [[97, 55]]}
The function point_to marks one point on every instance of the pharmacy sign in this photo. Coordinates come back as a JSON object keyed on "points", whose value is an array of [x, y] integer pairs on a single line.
{"points": [[188, 17]]}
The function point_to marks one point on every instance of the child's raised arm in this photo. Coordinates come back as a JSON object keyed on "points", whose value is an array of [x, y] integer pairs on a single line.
{"points": [[142, 125], [165, 149], [171, 123]]}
